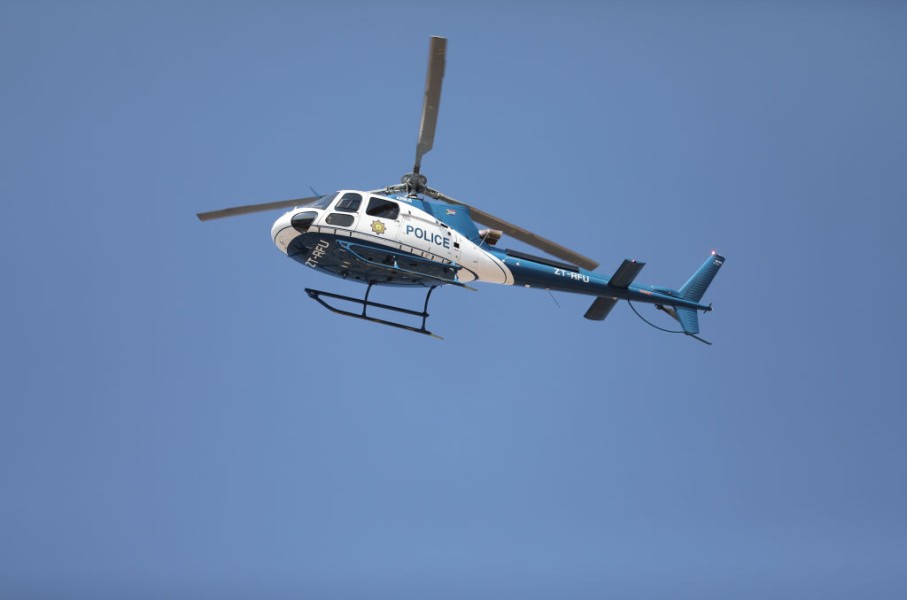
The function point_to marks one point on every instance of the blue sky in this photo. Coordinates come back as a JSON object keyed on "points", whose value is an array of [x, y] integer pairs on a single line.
{"points": [[180, 420]]}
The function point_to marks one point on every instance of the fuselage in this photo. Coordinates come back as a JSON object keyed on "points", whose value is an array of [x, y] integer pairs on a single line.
{"points": [[399, 240], [386, 240]]}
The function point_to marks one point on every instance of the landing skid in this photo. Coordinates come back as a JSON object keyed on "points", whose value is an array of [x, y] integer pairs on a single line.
{"points": [[365, 302]]}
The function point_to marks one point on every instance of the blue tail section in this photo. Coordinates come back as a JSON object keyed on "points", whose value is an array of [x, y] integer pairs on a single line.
{"points": [[688, 319], [693, 290], [696, 285]]}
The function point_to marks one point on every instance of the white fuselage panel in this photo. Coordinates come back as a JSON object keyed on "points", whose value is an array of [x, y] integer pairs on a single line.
{"points": [[414, 231]]}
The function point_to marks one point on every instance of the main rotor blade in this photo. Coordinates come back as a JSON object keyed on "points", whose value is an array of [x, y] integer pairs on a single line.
{"points": [[254, 208], [524, 235], [436, 56]]}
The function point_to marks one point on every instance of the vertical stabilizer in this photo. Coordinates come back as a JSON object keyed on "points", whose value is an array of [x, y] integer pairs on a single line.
{"points": [[696, 285], [688, 319]]}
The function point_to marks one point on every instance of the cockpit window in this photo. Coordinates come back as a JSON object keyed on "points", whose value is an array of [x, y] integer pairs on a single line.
{"points": [[302, 221], [340, 219], [323, 201], [349, 202], [378, 207]]}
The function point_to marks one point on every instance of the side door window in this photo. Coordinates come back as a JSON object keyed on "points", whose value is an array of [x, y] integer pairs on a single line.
{"points": [[379, 207], [381, 219]]}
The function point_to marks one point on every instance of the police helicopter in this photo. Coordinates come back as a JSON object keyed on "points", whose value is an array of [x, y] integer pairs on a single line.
{"points": [[409, 234]]}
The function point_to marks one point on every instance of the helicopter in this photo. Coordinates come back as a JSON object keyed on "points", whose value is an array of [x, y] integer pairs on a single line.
{"points": [[409, 234]]}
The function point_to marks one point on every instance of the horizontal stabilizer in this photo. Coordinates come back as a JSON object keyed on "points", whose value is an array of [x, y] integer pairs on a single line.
{"points": [[625, 274], [600, 308]]}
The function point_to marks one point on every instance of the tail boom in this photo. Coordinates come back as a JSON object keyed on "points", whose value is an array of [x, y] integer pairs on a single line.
{"points": [[683, 305]]}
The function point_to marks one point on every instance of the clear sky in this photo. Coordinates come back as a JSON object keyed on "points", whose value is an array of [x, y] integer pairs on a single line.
{"points": [[178, 419]]}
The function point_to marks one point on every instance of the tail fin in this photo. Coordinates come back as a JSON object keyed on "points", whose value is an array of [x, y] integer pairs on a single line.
{"points": [[693, 290], [688, 319], [696, 285]]}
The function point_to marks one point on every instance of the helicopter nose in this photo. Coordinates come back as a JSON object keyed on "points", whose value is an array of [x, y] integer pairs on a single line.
{"points": [[282, 232], [290, 225]]}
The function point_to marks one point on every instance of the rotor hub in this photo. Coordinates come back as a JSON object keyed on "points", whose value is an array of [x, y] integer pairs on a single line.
{"points": [[414, 182]]}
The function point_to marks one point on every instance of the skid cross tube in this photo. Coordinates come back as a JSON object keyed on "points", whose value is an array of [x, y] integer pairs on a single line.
{"points": [[365, 302]]}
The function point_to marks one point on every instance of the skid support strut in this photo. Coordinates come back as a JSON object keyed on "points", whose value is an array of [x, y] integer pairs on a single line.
{"points": [[366, 303]]}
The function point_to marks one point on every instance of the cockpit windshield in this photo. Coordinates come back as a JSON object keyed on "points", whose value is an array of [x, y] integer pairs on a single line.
{"points": [[323, 202]]}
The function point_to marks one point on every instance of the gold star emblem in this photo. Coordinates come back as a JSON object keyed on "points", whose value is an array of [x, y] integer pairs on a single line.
{"points": [[378, 227]]}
